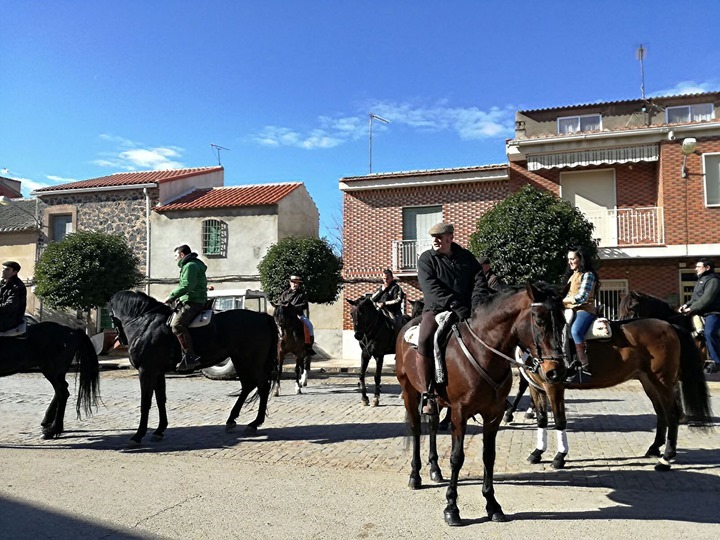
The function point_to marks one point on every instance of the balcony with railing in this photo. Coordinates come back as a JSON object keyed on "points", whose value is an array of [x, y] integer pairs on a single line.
{"points": [[619, 227]]}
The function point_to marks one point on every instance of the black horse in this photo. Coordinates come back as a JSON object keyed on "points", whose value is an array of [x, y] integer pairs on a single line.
{"points": [[292, 340], [52, 347], [249, 338]]}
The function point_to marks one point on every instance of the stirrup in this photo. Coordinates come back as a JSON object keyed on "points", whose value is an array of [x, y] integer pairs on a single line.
{"points": [[428, 404], [188, 363]]}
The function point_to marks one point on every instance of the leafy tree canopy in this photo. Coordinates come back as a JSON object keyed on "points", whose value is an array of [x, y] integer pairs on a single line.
{"points": [[82, 270], [527, 236], [312, 259]]}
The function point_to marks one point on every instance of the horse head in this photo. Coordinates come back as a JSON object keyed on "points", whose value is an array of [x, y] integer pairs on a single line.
{"points": [[365, 316], [545, 329], [285, 315]]}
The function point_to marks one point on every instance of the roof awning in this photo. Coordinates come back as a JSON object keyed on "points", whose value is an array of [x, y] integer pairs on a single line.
{"points": [[627, 154]]}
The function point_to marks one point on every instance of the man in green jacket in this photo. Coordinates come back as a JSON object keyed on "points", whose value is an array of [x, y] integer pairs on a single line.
{"points": [[191, 295]]}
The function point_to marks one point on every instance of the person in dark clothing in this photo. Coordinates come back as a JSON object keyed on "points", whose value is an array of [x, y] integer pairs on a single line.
{"points": [[294, 295], [389, 298], [451, 279], [493, 281], [13, 297], [191, 293], [705, 301]]}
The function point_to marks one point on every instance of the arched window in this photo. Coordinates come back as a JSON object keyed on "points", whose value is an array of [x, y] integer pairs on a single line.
{"points": [[214, 238]]}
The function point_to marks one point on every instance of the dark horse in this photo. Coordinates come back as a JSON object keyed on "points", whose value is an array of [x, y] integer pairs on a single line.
{"points": [[478, 380], [292, 341], [376, 334], [249, 338], [52, 347], [636, 304], [653, 351]]}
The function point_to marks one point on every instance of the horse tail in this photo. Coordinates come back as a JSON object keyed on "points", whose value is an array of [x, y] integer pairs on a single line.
{"points": [[695, 393], [274, 361], [89, 369]]}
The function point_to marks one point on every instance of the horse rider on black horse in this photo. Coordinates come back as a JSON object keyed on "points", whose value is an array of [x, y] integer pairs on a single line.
{"points": [[389, 298], [13, 297], [294, 295], [451, 279], [191, 296]]}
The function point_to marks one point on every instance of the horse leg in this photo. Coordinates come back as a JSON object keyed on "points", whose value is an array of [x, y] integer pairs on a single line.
{"points": [[50, 412], [556, 396], [378, 376], [435, 472], [263, 390], [306, 369], [364, 361], [247, 386], [457, 458], [492, 507], [445, 422], [298, 373], [412, 408], [653, 391], [147, 383], [522, 387], [160, 400], [281, 357], [56, 424], [542, 423]]}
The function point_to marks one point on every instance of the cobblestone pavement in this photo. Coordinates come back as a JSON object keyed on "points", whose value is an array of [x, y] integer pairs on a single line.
{"points": [[327, 427]]}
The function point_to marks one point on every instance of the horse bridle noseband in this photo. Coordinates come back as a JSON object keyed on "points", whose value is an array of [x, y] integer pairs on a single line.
{"points": [[540, 358]]}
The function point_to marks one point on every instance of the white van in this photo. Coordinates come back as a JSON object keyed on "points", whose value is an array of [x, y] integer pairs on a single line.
{"points": [[224, 300]]}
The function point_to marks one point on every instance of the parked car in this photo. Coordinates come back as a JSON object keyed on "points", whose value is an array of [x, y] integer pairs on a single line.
{"points": [[224, 300]]}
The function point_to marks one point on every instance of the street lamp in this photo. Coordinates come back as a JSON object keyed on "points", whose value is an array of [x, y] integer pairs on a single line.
{"points": [[374, 117], [688, 147]]}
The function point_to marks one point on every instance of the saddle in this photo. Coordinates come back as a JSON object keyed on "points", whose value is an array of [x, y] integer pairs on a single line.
{"points": [[202, 319], [600, 328], [18, 332], [445, 322]]}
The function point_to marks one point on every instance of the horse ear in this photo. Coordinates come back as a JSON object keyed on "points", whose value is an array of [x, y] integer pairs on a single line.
{"points": [[273, 304], [351, 302], [532, 291]]}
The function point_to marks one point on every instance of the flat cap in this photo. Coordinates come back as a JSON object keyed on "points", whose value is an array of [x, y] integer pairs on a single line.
{"points": [[441, 228], [12, 264], [298, 279], [484, 260]]}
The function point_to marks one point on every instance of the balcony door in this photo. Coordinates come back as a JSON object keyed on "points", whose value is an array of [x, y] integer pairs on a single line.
{"points": [[593, 193], [417, 221]]}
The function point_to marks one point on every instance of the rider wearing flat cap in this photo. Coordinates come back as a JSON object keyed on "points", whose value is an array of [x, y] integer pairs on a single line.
{"points": [[451, 279], [13, 297], [294, 295]]}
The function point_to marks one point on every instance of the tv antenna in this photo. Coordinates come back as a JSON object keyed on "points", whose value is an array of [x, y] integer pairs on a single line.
{"points": [[217, 148], [640, 55], [374, 117]]}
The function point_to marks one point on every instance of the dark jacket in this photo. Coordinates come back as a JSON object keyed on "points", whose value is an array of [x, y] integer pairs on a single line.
{"points": [[295, 298], [706, 294], [193, 282], [13, 301], [494, 282], [392, 296], [453, 282]]}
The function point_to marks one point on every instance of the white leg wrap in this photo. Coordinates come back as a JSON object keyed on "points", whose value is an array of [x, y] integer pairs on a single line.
{"points": [[303, 377], [562, 442], [542, 439]]}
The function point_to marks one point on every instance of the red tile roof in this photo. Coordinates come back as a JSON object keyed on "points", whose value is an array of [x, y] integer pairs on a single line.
{"points": [[231, 197], [425, 172], [131, 178]]}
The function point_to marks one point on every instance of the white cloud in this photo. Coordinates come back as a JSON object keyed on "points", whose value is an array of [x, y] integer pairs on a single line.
{"points": [[468, 123], [132, 155], [689, 87], [60, 179]]}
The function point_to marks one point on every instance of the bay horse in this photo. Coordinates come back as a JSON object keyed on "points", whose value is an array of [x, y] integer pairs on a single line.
{"points": [[652, 351], [249, 338], [52, 347], [478, 360], [376, 334], [292, 341], [636, 304]]}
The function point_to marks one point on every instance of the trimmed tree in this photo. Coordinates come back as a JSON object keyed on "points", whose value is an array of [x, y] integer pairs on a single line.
{"points": [[84, 269], [312, 259], [527, 236]]}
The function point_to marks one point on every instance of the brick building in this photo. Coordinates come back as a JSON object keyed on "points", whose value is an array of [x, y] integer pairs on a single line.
{"points": [[654, 201]]}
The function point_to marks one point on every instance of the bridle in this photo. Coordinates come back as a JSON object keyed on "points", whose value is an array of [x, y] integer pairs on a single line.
{"points": [[556, 332], [375, 326]]}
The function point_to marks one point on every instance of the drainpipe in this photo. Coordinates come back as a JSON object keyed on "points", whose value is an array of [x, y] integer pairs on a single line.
{"points": [[147, 241]]}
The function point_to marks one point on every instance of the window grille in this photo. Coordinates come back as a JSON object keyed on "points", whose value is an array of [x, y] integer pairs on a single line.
{"points": [[214, 238], [609, 296]]}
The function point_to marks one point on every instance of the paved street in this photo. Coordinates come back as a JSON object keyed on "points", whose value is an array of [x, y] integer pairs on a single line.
{"points": [[326, 433]]}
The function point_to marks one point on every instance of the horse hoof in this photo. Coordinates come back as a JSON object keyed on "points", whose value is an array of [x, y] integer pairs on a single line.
{"points": [[375, 401], [365, 401], [250, 429], [508, 417], [662, 465], [230, 426], [436, 476], [298, 391], [156, 437], [529, 415], [133, 444], [276, 393], [559, 461], [415, 482], [498, 517], [535, 457], [653, 452], [452, 517]]}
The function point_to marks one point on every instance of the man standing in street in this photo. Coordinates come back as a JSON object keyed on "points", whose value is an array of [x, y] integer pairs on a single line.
{"points": [[191, 294], [705, 301]]}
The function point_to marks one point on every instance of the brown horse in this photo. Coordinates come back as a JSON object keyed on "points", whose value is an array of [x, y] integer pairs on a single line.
{"points": [[652, 351], [478, 361], [292, 341]]}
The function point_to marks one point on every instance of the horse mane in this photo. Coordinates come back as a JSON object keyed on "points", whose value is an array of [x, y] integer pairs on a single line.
{"points": [[135, 303], [639, 304]]}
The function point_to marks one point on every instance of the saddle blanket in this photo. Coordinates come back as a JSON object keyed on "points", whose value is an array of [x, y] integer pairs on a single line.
{"points": [[15, 332], [203, 319]]}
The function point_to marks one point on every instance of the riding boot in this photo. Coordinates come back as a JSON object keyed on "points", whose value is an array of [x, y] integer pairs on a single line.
{"points": [[581, 352], [428, 400], [582, 374], [190, 361]]}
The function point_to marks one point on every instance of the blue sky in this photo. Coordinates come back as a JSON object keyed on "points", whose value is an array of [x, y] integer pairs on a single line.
{"points": [[89, 88]]}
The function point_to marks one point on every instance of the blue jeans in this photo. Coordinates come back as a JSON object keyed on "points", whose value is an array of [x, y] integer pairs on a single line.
{"points": [[712, 327], [583, 320]]}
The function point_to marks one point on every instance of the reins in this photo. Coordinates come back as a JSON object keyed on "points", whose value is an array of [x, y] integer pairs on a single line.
{"points": [[149, 311]]}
